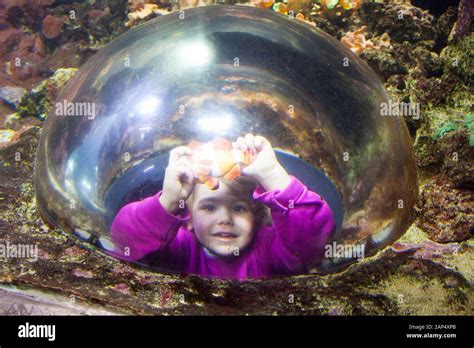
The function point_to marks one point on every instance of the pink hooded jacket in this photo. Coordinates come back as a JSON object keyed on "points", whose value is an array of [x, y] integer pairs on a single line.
{"points": [[302, 224]]}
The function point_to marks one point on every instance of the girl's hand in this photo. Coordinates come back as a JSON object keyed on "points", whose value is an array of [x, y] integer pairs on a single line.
{"points": [[179, 179], [265, 169]]}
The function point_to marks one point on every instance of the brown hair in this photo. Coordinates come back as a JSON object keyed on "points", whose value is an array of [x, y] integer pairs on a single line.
{"points": [[244, 186]]}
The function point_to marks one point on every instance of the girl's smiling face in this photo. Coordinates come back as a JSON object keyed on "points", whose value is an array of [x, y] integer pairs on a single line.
{"points": [[223, 222]]}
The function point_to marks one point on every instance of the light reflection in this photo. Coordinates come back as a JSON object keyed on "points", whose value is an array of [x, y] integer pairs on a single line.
{"points": [[86, 185], [215, 123], [193, 54], [148, 105], [148, 168]]}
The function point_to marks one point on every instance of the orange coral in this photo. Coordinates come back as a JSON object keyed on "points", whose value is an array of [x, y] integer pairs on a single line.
{"points": [[345, 4], [135, 5], [302, 17], [188, 3], [147, 11], [356, 41], [331, 8], [194, 3], [298, 5], [350, 4], [291, 6], [280, 7], [261, 3]]}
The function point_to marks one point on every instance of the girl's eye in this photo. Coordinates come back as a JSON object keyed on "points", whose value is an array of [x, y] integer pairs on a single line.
{"points": [[209, 207], [240, 208]]}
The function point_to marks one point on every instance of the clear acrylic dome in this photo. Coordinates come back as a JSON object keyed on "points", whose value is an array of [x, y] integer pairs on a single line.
{"points": [[223, 71]]}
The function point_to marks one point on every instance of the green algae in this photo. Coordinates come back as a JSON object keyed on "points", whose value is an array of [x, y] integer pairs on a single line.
{"points": [[37, 102], [445, 128]]}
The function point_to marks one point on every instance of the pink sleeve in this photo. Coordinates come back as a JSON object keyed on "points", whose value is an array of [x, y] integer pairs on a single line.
{"points": [[303, 222], [143, 227]]}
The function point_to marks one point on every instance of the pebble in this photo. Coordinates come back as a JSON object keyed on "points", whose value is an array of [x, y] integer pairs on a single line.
{"points": [[12, 95]]}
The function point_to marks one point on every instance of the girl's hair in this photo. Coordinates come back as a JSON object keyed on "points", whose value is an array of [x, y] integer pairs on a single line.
{"points": [[244, 187]]}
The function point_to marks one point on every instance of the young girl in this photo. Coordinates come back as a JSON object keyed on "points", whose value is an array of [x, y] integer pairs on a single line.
{"points": [[222, 233]]}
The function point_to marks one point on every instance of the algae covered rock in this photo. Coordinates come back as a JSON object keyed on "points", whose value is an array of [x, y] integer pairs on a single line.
{"points": [[404, 22], [37, 102], [446, 213], [458, 58], [458, 167]]}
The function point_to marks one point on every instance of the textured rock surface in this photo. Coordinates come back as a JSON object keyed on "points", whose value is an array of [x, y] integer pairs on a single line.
{"points": [[11, 95], [447, 213], [15, 301], [445, 207]]}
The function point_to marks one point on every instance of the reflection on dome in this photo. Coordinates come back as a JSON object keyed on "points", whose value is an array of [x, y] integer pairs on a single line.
{"points": [[224, 71]]}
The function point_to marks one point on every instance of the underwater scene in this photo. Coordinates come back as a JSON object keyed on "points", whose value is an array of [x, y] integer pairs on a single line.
{"points": [[233, 157]]}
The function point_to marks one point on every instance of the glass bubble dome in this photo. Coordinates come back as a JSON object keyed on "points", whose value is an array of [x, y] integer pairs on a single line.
{"points": [[224, 71]]}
